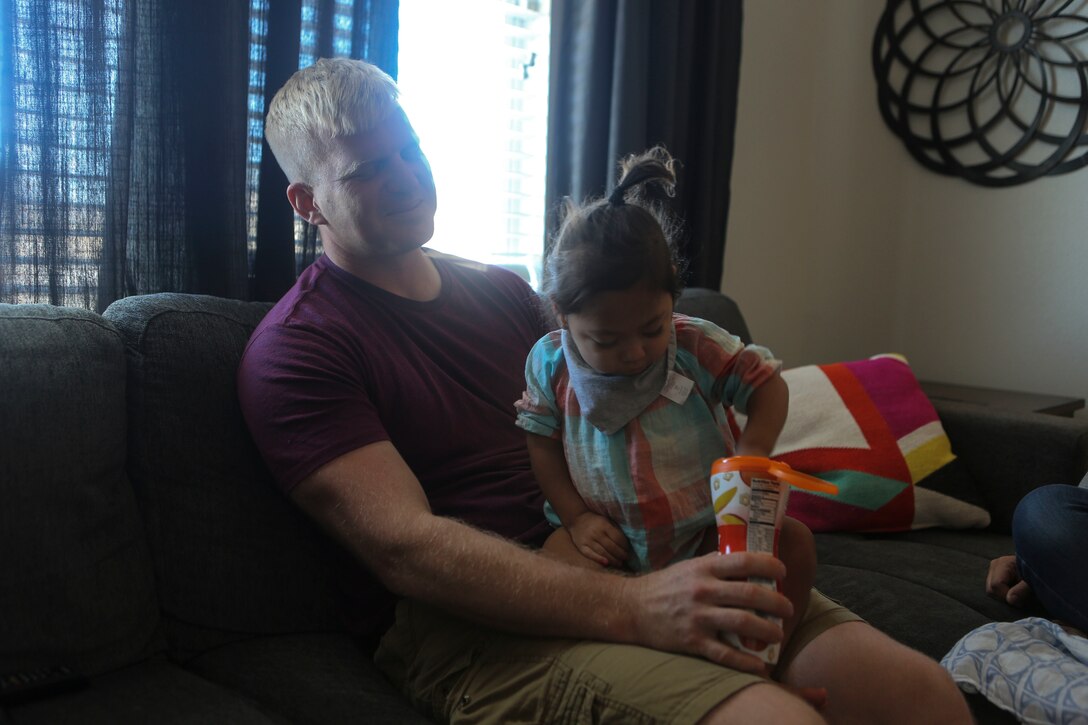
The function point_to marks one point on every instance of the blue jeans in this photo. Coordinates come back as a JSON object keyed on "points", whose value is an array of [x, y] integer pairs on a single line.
{"points": [[1050, 531]]}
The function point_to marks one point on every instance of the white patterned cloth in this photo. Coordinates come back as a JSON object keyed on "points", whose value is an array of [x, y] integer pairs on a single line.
{"points": [[1032, 668]]}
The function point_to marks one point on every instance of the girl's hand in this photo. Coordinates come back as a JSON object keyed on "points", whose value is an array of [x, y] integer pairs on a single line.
{"points": [[598, 539]]}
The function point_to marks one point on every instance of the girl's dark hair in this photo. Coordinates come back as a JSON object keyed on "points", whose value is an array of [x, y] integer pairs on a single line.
{"points": [[614, 243]]}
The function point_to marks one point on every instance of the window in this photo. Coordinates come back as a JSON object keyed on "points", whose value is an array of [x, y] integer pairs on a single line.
{"points": [[58, 187], [474, 80], [77, 75], [258, 55]]}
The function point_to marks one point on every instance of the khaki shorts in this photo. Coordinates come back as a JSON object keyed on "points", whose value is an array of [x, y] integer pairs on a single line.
{"points": [[454, 671]]}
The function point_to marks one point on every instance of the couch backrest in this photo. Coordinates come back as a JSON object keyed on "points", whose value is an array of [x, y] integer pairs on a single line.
{"points": [[76, 585], [714, 306], [231, 553]]}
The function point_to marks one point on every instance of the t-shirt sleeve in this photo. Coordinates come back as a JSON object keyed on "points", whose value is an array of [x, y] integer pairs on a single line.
{"points": [[304, 401], [522, 297], [737, 369], [538, 411]]}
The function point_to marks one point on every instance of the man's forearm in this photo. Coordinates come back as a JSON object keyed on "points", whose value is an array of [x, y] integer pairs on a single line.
{"points": [[493, 581], [371, 502]]}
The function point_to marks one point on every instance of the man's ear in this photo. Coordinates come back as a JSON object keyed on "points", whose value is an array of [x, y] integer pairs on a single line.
{"points": [[302, 201]]}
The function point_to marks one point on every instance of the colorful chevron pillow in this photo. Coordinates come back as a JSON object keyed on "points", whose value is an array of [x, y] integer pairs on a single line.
{"points": [[867, 427]]}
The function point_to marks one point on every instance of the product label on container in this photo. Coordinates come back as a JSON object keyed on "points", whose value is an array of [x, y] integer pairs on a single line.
{"points": [[749, 516], [763, 515]]}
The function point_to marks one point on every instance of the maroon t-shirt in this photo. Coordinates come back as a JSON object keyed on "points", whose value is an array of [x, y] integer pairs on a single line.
{"points": [[338, 364]]}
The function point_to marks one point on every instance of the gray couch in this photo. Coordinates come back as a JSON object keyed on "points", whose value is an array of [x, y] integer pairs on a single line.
{"points": [[146, 549]]}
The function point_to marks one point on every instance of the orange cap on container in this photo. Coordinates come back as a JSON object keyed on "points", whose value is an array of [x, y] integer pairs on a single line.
{"points": [[778, 469]]}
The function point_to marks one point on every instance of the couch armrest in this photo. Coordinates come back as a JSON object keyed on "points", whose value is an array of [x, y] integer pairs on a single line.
{"points": [[1009, 453]]}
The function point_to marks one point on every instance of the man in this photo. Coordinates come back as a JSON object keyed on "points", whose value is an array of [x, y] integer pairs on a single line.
{"points": [[380, 391]]}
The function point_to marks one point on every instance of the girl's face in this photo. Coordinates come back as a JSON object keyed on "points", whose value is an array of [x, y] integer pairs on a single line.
{"points": [[622, 332]]}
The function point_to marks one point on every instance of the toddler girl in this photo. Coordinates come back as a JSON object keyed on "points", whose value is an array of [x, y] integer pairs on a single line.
{"points": [[625, 404]]}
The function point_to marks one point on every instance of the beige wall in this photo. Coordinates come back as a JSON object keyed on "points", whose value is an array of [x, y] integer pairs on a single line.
{"points": [[841, 246]]}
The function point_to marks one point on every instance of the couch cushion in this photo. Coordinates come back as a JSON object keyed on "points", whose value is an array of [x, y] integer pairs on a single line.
{"points": [[230, 551], [154, 691], [912, 587], [867, 427], [309, 678], [924, 588], [717, 308], [1011, 453], [76, 586]]}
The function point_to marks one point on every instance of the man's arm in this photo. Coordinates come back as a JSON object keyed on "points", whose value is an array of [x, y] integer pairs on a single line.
{"points": [[372, 503]]}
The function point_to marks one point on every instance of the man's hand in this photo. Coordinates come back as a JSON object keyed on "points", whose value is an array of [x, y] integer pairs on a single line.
{"points": [[685, 607], [1003, 582], [599, 540]]}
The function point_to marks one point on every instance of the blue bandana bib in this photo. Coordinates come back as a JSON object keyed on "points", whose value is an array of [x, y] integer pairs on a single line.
{"points": [[610, 402]]}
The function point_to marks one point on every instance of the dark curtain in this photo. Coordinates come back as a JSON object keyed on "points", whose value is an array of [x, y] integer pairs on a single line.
{"points": [[175, 206], [124, 145], [629, 74]]}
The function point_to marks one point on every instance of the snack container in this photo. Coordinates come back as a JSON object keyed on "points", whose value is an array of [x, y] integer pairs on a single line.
{"points": [[750, 496]]}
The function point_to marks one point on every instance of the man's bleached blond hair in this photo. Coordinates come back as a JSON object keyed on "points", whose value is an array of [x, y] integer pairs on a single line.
{"points": [[334, 97]]}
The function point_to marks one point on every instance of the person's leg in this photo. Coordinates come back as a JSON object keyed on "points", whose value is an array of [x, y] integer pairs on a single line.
{"points": [[560, 546], [1050, 529], [767, 703], [797, 550], [872, 678], [457, 672]]}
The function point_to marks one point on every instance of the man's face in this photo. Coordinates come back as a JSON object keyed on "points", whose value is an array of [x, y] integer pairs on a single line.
{"points": [[375, 193]]}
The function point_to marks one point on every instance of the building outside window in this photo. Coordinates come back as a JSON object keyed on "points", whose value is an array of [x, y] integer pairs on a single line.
{"points": [[474, 79]]}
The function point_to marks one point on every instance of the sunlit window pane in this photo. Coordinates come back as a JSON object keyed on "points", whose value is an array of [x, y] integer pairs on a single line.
{"points": [[474, 79], [258, 54]]}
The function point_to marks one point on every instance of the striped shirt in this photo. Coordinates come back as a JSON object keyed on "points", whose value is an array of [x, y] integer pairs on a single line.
{"points": [[650, 477]]}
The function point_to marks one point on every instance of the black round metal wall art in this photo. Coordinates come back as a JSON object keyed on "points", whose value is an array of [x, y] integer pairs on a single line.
{"points": [[994, 91]]}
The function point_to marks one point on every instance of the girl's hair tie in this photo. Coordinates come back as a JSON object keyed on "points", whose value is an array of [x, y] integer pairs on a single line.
{"points": [[616, 197]]}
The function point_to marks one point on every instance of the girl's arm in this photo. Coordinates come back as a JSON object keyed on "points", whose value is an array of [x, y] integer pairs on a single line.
{"points": [[550, 469], [767, 408], [594, 536]]}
